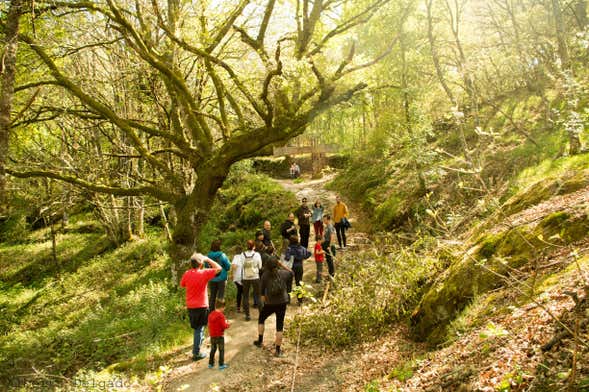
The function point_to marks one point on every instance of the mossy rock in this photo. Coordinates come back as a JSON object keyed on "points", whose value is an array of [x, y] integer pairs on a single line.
{"points": [[545, 189], [480, 269]]}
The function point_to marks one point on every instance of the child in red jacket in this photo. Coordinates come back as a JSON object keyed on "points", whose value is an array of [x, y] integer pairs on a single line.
{"points": [[319, 257], [217, 326]]}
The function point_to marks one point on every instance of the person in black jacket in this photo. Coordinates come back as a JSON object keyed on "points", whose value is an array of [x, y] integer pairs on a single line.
{"points": [[298, 254], [274, 289], [303, 214], [287, 229]]}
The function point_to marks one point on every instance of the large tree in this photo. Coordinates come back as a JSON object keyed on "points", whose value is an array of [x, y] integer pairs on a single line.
{"points": [[210, 84]]}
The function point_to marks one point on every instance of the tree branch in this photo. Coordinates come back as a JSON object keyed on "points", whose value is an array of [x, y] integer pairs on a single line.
{"points": [[156, 192]]}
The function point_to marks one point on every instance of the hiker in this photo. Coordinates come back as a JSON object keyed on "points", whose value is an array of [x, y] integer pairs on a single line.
{"points": [[327, 245], [274, 288], [317, 218], [298, 254], [217, 285], [287, 229], [297, 170], [267, 240], [236, 272], [294, 170], [259, 241], [251, 263], [340, 217], [319, 256], [265, 253], [217, 326], [303, 214], [195, 281]]}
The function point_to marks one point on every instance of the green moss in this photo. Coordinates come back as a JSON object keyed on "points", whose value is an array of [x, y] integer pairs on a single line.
{"points": [[477, 274], [488, 245], [389, 213]]}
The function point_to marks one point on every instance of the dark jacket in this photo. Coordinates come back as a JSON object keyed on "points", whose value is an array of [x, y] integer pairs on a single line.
{"points": [[267, 237], [284, 229], [299, 252], [283, 298], [300, 214]]}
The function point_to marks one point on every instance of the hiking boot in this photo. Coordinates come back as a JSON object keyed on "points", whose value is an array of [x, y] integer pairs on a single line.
{"points": [[224, 366], [257, 343], [211, 366], [279, 354], [247, 318], [199, 356]]}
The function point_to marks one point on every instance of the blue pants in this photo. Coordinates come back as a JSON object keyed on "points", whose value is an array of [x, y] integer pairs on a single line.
{"points": [[198, 338]]}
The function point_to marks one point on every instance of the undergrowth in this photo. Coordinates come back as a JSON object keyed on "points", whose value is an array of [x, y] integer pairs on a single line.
{"points": [[117, 304], [373, 289], [243, 204]]}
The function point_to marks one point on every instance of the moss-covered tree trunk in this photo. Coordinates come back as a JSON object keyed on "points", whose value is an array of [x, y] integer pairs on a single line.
{"points": [[192, 213], [8, 73]]}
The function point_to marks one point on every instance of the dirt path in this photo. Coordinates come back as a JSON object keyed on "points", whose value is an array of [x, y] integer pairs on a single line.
{"points": [[247, 366]]}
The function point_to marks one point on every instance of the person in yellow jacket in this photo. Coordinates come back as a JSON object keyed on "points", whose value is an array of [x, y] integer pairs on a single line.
{"points": [[340, 211]]}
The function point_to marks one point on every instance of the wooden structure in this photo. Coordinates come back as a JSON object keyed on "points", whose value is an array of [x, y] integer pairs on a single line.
{"points": [[317, 152]]}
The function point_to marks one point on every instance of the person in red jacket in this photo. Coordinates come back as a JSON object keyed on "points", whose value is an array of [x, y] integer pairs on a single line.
{"points": [[217, 326], [197, 302]]}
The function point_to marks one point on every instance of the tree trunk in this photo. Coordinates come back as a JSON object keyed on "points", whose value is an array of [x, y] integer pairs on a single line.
{"points": [[563, 52], [140, 216], [8, 71], [581, 14], [192, 213], [435, 58]]}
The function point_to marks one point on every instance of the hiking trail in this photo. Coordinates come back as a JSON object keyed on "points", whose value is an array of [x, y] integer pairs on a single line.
{"points": [[251, 367]]}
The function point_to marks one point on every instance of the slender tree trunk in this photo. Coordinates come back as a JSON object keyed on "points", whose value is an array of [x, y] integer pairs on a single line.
{"points": [[563, 52], [8, 72], [435, 57], [581, 14], [140, 216]]}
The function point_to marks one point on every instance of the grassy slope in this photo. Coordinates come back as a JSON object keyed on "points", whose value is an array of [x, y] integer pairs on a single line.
{"points": [[103, 306]]}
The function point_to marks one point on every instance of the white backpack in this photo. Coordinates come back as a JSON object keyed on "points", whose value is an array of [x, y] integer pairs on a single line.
{"points": [[250, 270]]}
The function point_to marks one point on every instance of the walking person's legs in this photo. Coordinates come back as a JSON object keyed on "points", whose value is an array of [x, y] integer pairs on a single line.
{"points": [[305, 231], [280, 311], [326, 245], [338, 229], [197, 341], [246, 299], [238, 296], [198, 320], [298, 275], [256, 288], [213, 292], [221, 345], [318, 227], [319, 272], [213, 351], [264, 314]]}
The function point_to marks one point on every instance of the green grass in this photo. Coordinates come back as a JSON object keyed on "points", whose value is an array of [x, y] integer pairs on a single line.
{"points": [[114, 305], [244, 203], [102, 310], [551, 168]]}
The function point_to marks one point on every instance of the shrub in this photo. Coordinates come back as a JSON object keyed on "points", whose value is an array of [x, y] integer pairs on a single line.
{"points": [[373, 290]]}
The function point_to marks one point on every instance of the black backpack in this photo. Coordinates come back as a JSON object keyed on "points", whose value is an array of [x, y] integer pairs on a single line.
{"points": [[276, 286]]}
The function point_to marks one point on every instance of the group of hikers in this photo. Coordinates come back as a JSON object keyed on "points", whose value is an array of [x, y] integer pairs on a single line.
{"points": [[260, 270]]}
